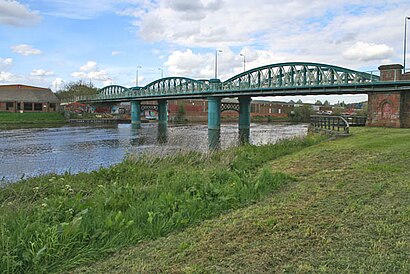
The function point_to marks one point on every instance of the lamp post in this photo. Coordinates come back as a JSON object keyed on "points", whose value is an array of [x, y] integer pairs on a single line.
{"points": [[162, 72], [404, 43], [243, 55], [216, 62], [136, 76]]}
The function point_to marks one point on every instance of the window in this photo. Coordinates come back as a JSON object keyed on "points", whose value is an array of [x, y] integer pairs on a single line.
{"points": [[38, 106], [52, 106], [9, 105], [28, 106]]}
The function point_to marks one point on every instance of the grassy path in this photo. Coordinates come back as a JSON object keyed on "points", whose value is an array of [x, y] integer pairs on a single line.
{"points": [[348, 212]]}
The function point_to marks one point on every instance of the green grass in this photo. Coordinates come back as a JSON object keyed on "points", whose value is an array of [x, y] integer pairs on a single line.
{"points": [[347, 212], [54, 223], [35, 117]]}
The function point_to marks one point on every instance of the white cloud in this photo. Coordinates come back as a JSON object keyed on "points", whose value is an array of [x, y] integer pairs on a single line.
{"points": [[202, 65], [26, 50], [108, 82], [223, 23], [80, 10], [41, 73], [116, 53], [186, 63], [90, 71], [15, 14], [90, 65], [368, 52], [7, 77], [323, 31], [57, 84], [6, 62]]}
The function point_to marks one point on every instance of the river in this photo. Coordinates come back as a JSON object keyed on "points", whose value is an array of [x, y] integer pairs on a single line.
{"points": [[31, 152]]}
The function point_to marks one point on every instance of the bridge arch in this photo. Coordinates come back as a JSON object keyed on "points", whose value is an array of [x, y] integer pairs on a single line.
{"points": [[173, 86], [114, 91], [296, 74]]}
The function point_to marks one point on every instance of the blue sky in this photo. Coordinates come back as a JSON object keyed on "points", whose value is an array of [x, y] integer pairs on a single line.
{"points": [[51, 42]]}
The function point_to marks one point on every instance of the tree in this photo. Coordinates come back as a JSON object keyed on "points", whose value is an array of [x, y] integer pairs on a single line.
{"points": [[76, 89], [326, 103], [318, 103], [302, 114], [180, 117]]}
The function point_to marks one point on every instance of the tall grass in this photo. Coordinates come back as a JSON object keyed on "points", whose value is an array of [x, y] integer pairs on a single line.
{"points": [[54, 223]]}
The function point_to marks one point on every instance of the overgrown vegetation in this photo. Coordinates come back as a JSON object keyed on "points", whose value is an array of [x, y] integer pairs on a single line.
{"points": [[53, 223], [348, 212], [301, 114]]}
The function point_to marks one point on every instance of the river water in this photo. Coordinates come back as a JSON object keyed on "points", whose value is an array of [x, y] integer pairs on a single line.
{"points": [[36, 151]]}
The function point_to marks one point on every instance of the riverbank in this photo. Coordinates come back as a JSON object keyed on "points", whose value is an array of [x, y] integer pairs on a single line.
{"points": [[346, 212], [54, 223], [33, 119]]}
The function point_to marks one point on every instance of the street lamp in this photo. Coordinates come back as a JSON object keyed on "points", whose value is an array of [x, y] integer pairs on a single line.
{"points": [[136, 76], [162, 72], [216, 62], [404, 43], [243, 55]]}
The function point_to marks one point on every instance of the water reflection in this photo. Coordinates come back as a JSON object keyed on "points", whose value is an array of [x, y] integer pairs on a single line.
{"points": [[30, 152]]}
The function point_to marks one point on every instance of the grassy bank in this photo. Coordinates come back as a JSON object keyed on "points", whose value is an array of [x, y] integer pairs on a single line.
{"points": [[54, 223], [9, 120], [347, 212]]}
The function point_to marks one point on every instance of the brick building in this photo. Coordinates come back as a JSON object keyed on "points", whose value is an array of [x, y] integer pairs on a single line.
{"points": [[197, 109], [22, 98]]}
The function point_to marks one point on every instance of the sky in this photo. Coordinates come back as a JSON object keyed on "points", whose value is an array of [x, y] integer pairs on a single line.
{"points": [[50, 43]]}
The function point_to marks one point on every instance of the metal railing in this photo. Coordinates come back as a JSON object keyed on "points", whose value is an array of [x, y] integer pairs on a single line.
{"points": [[332, 124], [356, 121]]}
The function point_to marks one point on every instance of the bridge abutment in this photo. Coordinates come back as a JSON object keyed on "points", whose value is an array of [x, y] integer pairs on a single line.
{"points": [[136, 113], [390, 108]]}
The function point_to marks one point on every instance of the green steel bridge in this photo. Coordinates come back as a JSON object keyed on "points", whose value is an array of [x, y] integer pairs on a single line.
{"points": [[294, 78]]}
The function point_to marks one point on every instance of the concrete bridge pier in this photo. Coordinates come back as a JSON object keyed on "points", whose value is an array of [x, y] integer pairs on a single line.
{"points": [[136, 114], [244, 118], [162, 121], [214, 122]]}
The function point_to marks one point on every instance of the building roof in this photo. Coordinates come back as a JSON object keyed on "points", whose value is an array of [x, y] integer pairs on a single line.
{"points": [[23, 93]]}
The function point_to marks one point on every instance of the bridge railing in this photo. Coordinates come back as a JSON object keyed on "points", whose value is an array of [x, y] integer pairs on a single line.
{"points": [[356, 121], [332, 124]]}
